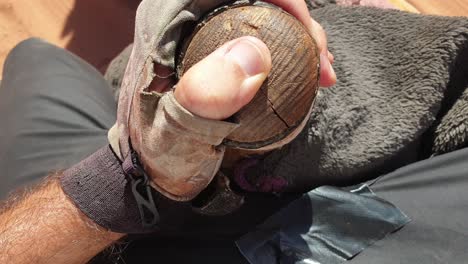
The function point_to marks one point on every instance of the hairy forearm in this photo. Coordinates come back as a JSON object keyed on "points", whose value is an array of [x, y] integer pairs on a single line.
{"points": [[44, 226]]}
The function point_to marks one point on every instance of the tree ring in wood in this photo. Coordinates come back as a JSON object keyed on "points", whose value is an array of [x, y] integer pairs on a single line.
{"points": [[286, 97]]}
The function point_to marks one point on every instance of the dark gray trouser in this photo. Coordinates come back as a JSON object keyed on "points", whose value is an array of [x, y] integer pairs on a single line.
{"points": [[55, 109]]}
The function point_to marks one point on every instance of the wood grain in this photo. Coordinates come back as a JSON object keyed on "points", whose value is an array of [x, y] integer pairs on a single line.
{"points": [[288, 93]]}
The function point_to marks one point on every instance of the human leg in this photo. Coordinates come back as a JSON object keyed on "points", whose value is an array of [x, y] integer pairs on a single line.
{"points": [[55, 109]]}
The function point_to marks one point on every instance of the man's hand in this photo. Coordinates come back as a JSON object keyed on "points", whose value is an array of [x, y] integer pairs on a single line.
{"points": [[44, 226], [215, 88]]}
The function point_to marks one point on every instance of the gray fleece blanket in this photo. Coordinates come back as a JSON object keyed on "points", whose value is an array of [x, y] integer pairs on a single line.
{"points": [[401, 96]]}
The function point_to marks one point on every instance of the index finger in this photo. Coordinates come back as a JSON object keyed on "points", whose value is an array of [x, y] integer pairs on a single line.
{"points": [[297, 8]]}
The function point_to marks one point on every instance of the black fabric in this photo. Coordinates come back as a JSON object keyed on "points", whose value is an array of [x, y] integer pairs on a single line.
{"points": [[55, 110], [327, 225], [434, 194]]}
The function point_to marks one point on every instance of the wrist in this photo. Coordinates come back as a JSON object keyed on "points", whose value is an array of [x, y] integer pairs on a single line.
{"points": [[87, 234], [100, 189]]}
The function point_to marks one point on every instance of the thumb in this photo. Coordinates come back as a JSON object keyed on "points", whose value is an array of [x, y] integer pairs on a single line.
{"points": [[225, 81]]}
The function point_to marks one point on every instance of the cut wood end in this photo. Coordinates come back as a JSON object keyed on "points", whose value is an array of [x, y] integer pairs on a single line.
{"points": [[287, 95]]}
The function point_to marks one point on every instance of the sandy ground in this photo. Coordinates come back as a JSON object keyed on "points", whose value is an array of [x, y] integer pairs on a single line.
{"points": [[436, 7], [94, 30], [97, 30]]}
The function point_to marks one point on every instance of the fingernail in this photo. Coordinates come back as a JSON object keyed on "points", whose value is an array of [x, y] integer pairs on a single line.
{"points": [[313, 24], [326, 66], [331, 57], [248, 56]]}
